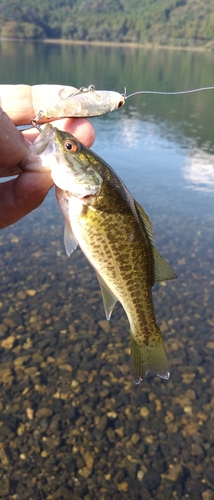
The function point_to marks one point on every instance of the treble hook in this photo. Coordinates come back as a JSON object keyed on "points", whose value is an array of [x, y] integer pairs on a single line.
{"points": [[35, 121], [82, 90]]}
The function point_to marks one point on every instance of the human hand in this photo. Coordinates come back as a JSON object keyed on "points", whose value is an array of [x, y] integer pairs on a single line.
{"points": [[20, 196]]}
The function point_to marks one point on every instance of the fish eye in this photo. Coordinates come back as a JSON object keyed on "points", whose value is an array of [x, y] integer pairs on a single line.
{"points": [[70, 146], [120, 104]]}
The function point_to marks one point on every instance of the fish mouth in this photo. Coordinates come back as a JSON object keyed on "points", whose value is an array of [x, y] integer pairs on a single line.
{"points": [[87, 196], [86, 200]]}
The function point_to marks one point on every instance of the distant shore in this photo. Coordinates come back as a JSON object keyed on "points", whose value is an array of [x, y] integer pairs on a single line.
{"points": [[110, 44]]}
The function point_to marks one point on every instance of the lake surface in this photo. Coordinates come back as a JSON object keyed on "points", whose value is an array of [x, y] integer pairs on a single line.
{"points": [[72, 423]]}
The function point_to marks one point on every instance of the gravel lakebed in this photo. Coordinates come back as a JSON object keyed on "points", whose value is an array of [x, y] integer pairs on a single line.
{"points": [[72, 423]]}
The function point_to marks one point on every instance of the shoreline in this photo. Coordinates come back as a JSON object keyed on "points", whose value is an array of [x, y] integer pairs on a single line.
{"points": [[96, 43]]}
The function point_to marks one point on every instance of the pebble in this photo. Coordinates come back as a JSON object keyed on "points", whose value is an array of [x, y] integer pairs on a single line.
{"points": [[89, 459], [197, 450], [4, 487], [21, 429], [66, 367], [123, 486], [158, 405], [187, 378], [135, 438], [30, 413], [105, 325], [21, 295], [209, 475], [4, 458], [175, 473], [51, 442], [44, 413], [144, 412], [31, 292], [63, 492], [9, 322], [169, 417], [152, 479], [8, 342], [140, 475], [210, 345], [208, 495], [112, 415]]}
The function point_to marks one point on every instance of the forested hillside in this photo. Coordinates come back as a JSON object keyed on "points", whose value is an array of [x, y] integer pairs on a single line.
{"points": [[163, 22]]}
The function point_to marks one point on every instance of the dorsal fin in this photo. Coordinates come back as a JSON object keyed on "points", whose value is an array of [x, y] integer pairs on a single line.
{"points": [[162, 270], [143, 217]]}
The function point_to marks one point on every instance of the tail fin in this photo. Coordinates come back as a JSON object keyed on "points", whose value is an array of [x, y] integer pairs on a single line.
{"points": [[149, 358]]}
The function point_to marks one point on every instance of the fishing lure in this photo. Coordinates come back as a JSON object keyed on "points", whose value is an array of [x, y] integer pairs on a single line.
{"points": [[88, 102], [85, 102]]}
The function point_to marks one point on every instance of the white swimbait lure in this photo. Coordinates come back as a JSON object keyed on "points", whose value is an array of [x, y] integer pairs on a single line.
{"points": [[85, 102]]}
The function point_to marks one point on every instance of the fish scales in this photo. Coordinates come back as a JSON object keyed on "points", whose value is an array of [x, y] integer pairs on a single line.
{"points": [[123, 261]]}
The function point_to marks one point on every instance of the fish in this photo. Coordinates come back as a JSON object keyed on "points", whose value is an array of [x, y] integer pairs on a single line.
{"points": [[115, 235]]}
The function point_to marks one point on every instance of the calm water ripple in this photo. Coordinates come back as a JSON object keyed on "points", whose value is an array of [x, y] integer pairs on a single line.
{"points": [[72, 423]]}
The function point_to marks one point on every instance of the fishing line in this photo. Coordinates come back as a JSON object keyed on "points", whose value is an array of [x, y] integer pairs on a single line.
{"points": [[166, 93]]}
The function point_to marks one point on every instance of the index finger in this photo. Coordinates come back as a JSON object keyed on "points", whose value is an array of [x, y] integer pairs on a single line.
{"points": [[23, 102]]}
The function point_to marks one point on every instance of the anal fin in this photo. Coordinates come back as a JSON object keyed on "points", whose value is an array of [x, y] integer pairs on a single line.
{"points": [[70, 241], [109, 298]]}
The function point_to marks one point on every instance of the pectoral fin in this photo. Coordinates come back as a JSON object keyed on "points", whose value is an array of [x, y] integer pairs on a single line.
{"points": [[70, 241], [109, 298], [162, 270]]}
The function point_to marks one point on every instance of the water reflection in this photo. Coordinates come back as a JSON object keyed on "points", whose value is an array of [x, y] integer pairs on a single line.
{"points": [[198, 171]]}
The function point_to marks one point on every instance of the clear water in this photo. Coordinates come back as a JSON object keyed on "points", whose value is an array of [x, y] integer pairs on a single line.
{"points": [[113, 439]]}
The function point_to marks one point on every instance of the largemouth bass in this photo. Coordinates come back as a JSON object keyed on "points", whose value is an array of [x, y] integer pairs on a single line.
{"points": [[115, 234]]}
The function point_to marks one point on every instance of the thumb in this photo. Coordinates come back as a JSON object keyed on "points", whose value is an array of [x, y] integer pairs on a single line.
{"points": [[13, 147]]}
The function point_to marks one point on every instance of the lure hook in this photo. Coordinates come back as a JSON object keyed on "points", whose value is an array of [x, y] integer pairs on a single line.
{"points": [[81, 90], [35, 120]]}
